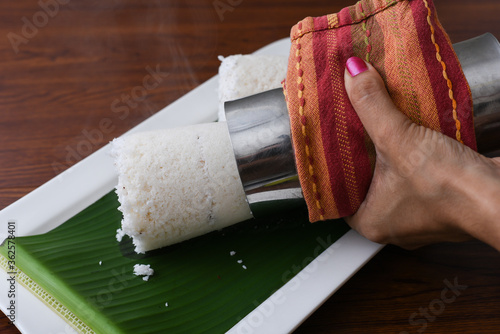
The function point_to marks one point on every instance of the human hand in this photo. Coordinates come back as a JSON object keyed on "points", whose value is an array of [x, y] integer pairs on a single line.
{"points": [[426, 187]]}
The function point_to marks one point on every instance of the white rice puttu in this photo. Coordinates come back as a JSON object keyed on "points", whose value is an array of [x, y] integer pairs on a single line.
{"points": [[143, 270], [177, 184], [244, 75]]}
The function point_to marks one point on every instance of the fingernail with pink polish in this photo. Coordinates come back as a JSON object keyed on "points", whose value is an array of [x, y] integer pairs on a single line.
{"points": [[355, 66]]}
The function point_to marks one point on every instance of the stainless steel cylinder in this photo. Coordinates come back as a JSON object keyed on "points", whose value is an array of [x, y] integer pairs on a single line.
{"points": [[480, 60], [259, 128]]}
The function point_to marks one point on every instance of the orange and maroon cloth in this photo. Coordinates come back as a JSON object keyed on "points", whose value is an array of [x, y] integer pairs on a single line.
{"points": [[405, 42]]}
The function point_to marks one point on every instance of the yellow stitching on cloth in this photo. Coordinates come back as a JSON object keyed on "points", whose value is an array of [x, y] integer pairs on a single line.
{"points": [[299, 33], [367, 33], [303, 121], [333, 20], [445, 75], [46, 298]]}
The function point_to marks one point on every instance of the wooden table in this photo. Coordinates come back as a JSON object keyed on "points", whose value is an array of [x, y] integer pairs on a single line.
{"points": [[65, 68]]}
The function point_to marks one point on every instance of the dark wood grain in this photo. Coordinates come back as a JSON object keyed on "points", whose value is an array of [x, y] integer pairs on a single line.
{"points": [[66, 77]]}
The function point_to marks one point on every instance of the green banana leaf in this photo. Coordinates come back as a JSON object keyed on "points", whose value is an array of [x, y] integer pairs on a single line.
{"points": [[204, 285]]}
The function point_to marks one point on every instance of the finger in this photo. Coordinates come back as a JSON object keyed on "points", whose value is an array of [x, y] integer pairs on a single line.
{"points": [[370, 99]]}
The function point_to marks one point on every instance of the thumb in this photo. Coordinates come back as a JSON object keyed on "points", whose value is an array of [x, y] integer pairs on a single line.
{"points": [[370, 99]]}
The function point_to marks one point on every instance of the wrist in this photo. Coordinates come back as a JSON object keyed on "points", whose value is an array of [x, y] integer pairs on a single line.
{"points": [[479, 212]]}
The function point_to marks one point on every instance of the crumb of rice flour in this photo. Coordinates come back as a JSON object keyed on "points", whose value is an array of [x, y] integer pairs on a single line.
{"points": [[119, 235], [143, 270]]}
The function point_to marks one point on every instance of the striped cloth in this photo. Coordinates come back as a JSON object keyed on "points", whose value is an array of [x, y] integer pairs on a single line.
{"points": [[405, 42]]}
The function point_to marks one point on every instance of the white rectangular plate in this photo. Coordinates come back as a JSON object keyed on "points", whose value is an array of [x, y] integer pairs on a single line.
{"points": [[81, 185]]}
